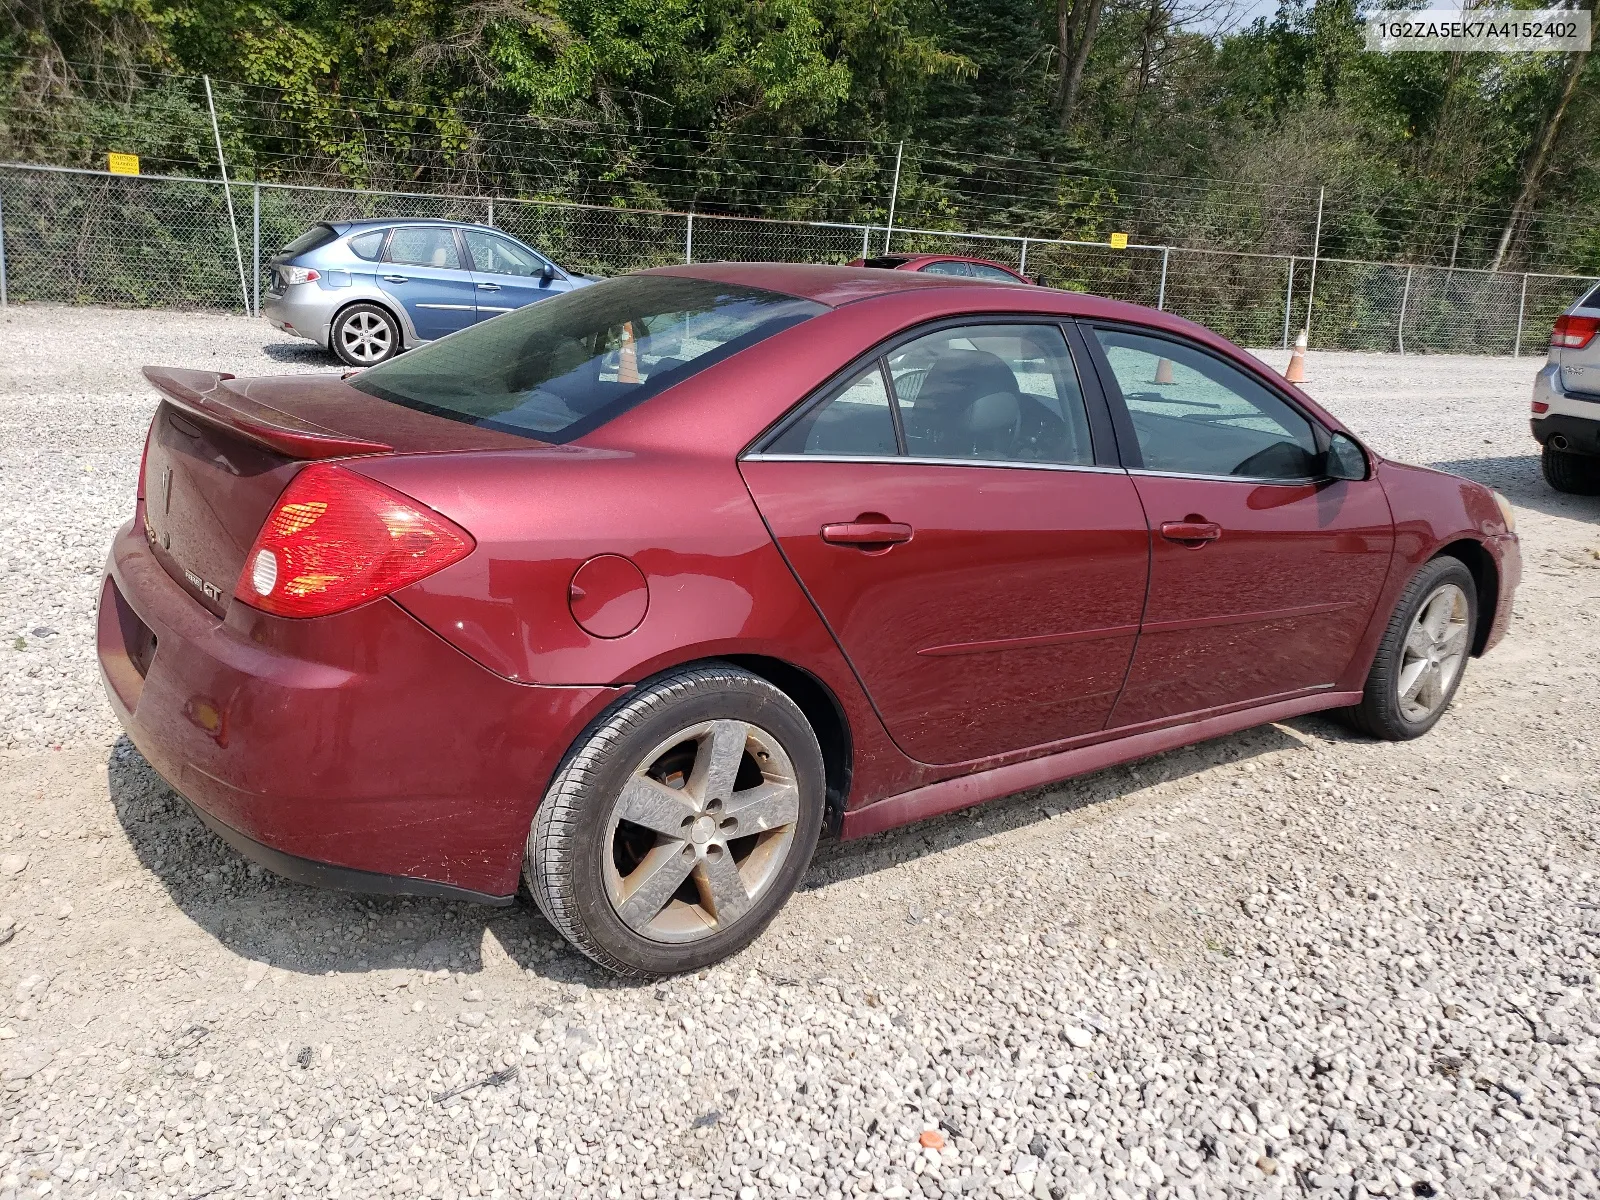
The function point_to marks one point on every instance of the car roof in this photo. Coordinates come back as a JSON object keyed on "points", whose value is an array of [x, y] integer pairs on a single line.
{"points": [[832, 286], [343, 227], [906, 259]]}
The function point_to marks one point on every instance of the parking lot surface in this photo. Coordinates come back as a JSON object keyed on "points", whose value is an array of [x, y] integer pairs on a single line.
{"points": [[1288, 961]]}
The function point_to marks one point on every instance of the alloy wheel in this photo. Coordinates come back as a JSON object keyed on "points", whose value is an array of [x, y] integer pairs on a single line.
{"points": [[700, 830], [1434, 651], [366, 337]]}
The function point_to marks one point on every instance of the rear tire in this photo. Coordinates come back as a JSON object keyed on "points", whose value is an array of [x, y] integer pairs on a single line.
{"points": [[364, 335], [1422, 656], [1575, 474], [680, 824]]}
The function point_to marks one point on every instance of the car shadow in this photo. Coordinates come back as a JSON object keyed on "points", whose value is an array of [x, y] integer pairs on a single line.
{"points": [[313, 931], [1517, 478], [840, 862], [307, 354]]}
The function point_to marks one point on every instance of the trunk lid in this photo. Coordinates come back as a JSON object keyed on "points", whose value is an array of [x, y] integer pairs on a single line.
{"points": [[1580, 369], [221, 450]]}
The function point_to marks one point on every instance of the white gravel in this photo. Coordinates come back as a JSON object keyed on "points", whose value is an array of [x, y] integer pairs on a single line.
{"points": [[1288, 961]]}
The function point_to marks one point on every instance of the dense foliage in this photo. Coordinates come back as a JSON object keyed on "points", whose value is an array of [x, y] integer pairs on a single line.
{"points": [[1064, 117]]}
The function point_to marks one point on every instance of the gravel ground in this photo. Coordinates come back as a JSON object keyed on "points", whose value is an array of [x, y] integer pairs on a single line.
{"points": [[1288, 961]]}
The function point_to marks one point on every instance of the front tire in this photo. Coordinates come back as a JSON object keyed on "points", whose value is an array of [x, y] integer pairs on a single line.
{"points": [[1575, 474], [365, 335], [1422, 656], [681, 823]]}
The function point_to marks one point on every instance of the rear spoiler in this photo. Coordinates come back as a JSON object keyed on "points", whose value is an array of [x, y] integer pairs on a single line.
{"points": [[205, 396]]}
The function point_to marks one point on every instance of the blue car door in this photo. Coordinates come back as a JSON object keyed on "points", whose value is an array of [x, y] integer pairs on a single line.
{"points": [[423, 271], [508, 275]]}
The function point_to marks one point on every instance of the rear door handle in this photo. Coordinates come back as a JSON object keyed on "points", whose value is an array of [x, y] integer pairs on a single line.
{"points": [[488, 287], [866, 533], [1191, 531], [397, 279]]}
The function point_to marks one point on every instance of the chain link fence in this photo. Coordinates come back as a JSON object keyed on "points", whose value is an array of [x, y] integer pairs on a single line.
{"points": [[89, 237]]}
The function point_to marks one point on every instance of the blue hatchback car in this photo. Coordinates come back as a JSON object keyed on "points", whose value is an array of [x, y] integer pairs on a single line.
{"points": [[368, 289]]}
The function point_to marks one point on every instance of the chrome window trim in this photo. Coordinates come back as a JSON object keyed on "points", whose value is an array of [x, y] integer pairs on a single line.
{"points": [[902, 459], [1254, 480]]}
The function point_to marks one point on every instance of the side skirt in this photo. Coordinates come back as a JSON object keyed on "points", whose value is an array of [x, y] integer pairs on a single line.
{"points": [[966, 790]]}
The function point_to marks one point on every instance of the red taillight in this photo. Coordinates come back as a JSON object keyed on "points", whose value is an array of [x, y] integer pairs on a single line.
{"points": [[1574, 333], [337, 539]]}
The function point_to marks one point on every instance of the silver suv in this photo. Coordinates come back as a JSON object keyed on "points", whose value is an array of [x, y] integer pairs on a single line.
{"points": [[1566, 401]]}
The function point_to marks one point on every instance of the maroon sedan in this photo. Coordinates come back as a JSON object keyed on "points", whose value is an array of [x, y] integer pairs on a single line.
{"points": [[631, 593], [945, 264]]}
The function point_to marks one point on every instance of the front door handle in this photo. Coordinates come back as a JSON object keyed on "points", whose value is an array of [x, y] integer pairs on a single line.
{"points": [[397, 279], [488, 287], [1192, 533], [866, 534]]}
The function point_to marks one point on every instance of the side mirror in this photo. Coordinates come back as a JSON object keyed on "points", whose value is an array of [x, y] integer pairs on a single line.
{"points": [[547, 275], [1345, 459]]}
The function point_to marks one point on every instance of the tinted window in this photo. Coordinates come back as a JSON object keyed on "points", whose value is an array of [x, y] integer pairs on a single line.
{"points": [[855, 420], [311, 239], [996, 392], [982, 271], [946, 268], [560, 368], [887, 262], [496, 255], [1197, 415], [367, 245], [1592, 300], [421, 246]]}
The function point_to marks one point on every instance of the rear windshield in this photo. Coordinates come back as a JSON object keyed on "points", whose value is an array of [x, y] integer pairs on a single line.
{"points": [[562, 367], [1592, 300], [311, 239], [888, 261]]}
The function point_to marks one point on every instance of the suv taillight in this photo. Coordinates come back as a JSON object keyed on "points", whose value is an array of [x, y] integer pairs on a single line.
{"points": [[336, 539], [1574, 333]]}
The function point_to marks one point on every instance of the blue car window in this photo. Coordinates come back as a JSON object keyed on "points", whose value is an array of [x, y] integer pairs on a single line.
{"points": [[424, 246], [496, 255], [367, 245]]}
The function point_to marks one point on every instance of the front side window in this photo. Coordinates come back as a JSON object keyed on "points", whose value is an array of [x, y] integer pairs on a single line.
{"points": [[995, 392], [424, 246], [495, 255], [563, 367], [855, 420], [1194, 414]]}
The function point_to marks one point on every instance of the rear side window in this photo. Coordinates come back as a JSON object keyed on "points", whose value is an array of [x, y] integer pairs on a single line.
{"points": [[946, 268], [856, 420], [424, 246], [312, 239], [367, 245], [984, 271], [565, 366]]}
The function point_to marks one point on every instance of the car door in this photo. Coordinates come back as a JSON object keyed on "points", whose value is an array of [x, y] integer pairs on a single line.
{"points": [[507, 275], [1263, 572], [423, 272], [950, 509]]}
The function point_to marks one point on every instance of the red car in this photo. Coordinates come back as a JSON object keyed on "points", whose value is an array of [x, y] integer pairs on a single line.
{"points": [[632, 593], [945, 264]]}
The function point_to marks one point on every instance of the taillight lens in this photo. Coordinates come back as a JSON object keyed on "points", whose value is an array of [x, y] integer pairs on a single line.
{"points": [[336, 539], [301, 275], [1574, 333]]}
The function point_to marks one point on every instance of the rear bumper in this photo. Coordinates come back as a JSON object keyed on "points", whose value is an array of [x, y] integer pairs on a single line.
{"points": [[1573, 418], [302, 311], [359, 751]]}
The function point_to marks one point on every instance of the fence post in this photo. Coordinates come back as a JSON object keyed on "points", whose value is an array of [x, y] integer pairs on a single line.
{"points": [[1316, 252], [1022, 267], [255, 246], [227, 196], [491, 212], [4, 302], [894, 195], [1405, 298], [1288, 303], [866, 235], [1516, 350], [688, 240], [1161, 292]]}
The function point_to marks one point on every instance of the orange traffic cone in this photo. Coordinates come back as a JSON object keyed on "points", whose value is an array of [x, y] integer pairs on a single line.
{"points": [[1163, 371], [1297, 361], [627, 356]]}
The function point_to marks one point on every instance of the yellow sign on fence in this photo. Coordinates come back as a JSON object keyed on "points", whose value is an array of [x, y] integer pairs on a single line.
{"points": [[122, 164], [1119, 241]]}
